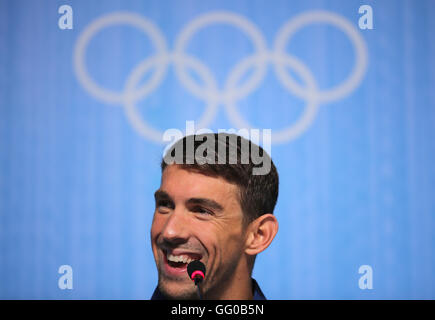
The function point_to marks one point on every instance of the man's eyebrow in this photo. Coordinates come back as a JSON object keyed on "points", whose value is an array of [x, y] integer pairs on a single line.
{"points": [[206, 203], [160, 194], [209, 203]]}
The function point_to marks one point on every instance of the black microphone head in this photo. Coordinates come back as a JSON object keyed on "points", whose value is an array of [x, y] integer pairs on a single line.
{"points": [[196, 270]]}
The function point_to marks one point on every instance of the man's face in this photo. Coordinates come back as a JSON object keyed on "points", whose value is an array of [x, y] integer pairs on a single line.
{"points": [[197, 217]]}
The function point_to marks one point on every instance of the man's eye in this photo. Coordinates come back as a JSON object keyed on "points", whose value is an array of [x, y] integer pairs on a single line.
{"points": [[201, 210], [163, 204]]}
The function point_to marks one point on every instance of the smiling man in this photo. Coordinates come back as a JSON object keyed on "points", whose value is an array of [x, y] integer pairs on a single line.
{"points": [[214, 211]]}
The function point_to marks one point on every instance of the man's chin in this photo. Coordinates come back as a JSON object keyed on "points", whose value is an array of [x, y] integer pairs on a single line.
{"points": [[178, 290]]}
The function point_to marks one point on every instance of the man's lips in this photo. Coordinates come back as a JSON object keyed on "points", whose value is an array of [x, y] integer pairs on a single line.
{"points": [[175, 261]]}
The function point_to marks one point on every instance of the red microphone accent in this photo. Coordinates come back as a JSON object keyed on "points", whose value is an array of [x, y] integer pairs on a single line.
{"points": [[197, 272]]}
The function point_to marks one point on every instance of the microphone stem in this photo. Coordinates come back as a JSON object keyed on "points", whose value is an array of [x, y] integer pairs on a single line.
{"points": [[199, 292], [198, 288]]}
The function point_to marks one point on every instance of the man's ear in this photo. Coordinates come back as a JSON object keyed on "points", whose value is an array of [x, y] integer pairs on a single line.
{"points": [[261, 232]]}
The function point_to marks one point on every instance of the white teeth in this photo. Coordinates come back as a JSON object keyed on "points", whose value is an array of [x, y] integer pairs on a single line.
{"points": [[180, 258]]}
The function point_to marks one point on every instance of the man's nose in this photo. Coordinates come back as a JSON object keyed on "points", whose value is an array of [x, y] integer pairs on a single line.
{"points": [[176, 229]]}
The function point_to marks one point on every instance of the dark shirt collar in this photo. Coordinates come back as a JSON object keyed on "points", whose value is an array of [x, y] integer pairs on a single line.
{"points": [[257, 293]]}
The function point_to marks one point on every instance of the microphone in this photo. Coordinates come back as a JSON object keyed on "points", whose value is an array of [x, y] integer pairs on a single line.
{"points": [[196, 271]]}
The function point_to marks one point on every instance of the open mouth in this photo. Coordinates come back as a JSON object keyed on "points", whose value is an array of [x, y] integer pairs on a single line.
{"points": [[179, 261], [177, 264]]}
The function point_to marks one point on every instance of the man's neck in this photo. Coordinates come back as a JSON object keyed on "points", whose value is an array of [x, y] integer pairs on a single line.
{"points": [[239, 287]]}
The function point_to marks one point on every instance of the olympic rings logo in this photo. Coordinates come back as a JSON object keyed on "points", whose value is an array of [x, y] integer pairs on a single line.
{"points": [[232, 91]]}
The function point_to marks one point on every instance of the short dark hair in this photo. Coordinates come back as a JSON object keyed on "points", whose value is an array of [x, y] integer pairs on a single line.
{"points": [[258, 193]]}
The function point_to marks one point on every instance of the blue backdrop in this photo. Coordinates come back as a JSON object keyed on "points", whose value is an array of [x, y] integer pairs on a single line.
{"points": [[351, 110]]}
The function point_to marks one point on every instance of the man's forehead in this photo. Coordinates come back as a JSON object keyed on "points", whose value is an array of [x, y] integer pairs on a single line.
{"points": [[183, 183]]}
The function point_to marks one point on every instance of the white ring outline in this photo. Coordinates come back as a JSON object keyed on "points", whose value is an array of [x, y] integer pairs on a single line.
{"points": [[130, 98], [218, 17], [279, 58], [304, 120], [126, 18], [320, 16]]}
